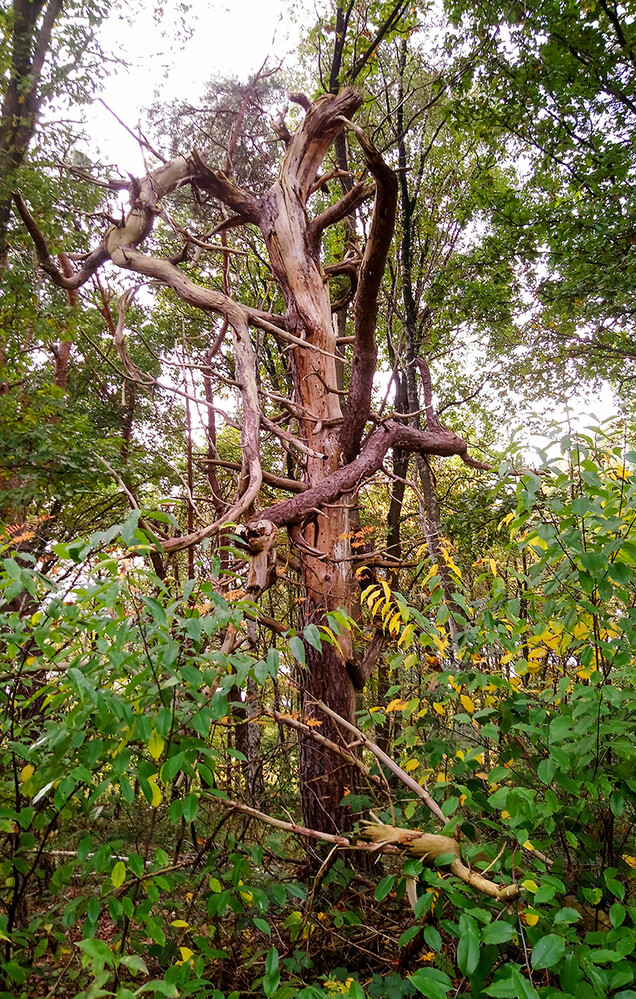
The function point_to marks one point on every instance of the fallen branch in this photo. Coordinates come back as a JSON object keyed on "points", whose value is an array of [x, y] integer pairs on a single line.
{"points": [[388, 839], [323, 741], [380, 755], [429, 848]]}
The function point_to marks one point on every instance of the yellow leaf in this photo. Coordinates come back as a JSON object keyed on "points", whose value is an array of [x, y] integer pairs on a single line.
{"points": [[155, 745], [246, 896], [506, 520], [376, 607], [493, 566], [440, 643], [630, 861], [537, 542], [537, 653], [394, 623], [505, 815], [411, 765], [186, 954], [118, 874], [407, 634], [528, 845], [585, 674], [180, 922], [410, 660], [580, 630], [531, 917], [529, 885], [313, 722], [156, 793], [397, 704], [439, 708], [26, 773], [441, 778], [385, 587], [215, 886], [467, 703], [370, 593]]}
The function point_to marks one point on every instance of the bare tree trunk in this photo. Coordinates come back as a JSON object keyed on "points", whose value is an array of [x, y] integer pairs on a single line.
{"points": [[247, 739], [29, 47]]}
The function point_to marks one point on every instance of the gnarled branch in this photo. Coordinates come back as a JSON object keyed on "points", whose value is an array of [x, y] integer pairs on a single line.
{"points": [[365, 352]]}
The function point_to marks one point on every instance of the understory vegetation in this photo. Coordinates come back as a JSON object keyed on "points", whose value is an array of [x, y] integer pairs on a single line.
{"points": [[317, 619], [138, 854]]}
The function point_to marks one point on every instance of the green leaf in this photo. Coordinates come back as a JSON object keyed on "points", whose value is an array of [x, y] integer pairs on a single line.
{"points": [[468, 953], [497, 933], [432, 937], [620, 572], [545, 770], [547, 952], [311, 635], [99, 952], [15, 971], [190, 807], [271, 979], [431, 983], [159, 985], [408, 935], [118, 874], [262, 925], [511, 984], [384, 887], [617, 914], [134, 963], [297, 649]]}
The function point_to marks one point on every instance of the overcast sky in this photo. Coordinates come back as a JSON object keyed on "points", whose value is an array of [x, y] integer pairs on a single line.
{"points": [[228, 37]]}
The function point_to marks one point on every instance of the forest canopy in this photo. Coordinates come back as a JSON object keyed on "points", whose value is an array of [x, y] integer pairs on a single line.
{"points": [[317, 620]]}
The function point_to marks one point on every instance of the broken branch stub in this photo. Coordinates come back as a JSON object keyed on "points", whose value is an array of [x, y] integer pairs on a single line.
{"points": [[431, 848]]}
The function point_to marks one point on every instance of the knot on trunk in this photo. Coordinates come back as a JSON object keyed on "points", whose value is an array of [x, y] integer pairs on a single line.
{"points": [[260, 539]]}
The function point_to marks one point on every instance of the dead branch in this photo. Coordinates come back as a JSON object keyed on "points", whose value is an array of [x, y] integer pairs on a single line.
{"points": [[352, 476], [91, 262], [335, 213], [225, 190], [428, 848], [324, 741], [376, 250], [380, 755], [278, 481]]}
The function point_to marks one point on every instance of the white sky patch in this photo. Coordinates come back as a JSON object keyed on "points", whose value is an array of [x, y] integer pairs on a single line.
{"points": [[226, 39]]}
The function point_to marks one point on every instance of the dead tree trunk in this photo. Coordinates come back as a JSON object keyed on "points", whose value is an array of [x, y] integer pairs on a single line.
{"points": [[335, 455]]}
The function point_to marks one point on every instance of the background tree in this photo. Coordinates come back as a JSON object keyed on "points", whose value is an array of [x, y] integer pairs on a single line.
{"points": [[559, 79]]}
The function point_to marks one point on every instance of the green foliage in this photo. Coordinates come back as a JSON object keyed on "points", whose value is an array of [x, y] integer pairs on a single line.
{"points": [[111, 696], [115, 751], [525, 736]]}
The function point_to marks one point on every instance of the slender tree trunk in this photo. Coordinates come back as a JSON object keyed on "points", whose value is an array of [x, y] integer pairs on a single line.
{"points": [[32, 28]]}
